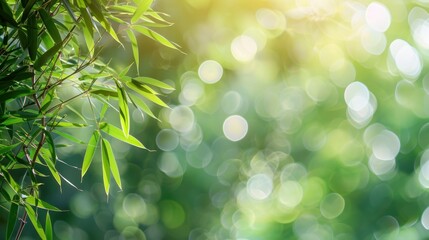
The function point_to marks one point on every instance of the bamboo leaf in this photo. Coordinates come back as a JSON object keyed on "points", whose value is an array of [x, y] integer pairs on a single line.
{"points": [[69, 137], [155, 36], [119, 134], [152, 97], [38, 203], [32, 32], [48, 227], [47, 157], [51, 146], [141, 105], [142, 8], [153, 82], [7, 148], [68, 124], [87, 29], [105, 166], [13, 215], [42, 60], [36, 224], [50, 25], [17, 93], [90, 150], [135, 48], [112, 161], [6, 14], [124, 112]]}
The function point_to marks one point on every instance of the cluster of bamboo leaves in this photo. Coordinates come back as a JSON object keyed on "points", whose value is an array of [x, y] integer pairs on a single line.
{"points": [[41, 48]]}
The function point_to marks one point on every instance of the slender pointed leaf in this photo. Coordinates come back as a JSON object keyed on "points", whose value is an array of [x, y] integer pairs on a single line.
{"points": [[142, 105], [36, 224], [69, 137], [48, 55], [118, 134], [13, 215], [105, 166], [142, 8], [41, 204], [135, 48], [33, 39], [112, 161], [48, 227], [124, 112], [90, 150], [51, 145], [47, 157], [87, 29], [50, 25], [140, 90], [153, 82], [155, 36]]}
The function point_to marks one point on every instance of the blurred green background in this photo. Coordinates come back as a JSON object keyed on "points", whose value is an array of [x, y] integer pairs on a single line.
{"points": [[291, 119]]}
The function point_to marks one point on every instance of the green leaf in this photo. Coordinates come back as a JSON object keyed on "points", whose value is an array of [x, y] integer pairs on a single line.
{"points": [[142, 105], [142, 91], [68, 124], [112, 161], [7, 148], [6, 14], [142, 8], [51, 145], [90, 150], [48, 227], [38, 203], [119, 134], [124, 112], [69, 137], [48, 158], [36, 224], [155, 36], [88, 32], [14, 94], [9, 179], [48, 55], [153, 82], [33, 39], [12, 217], [27, 9], [135, 48], [50, 25], [97, 11], [105, 166]]}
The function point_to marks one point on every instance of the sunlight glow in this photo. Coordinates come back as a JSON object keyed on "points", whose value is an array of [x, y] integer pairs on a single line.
{"points": [[244, 48], [378, 17], [210, 71], [235, 128]]}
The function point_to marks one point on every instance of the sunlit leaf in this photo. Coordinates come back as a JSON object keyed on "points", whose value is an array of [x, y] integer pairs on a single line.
{"points": [[135, 48], [46, 155], [153, 82], [87, 29], [50, 25], [142, 7], [7, 148], [90, 150], [69, 124], [119, 134], [105, 166], [41, 204], [142, 105], [51, 145], [155, 36], [48, 227], [36, 224], [124, 113], [112, 161], [140, 90], [69, 137]]}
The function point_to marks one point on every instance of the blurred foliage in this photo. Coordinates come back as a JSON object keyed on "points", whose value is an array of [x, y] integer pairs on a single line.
{"points": [[300, 119]]}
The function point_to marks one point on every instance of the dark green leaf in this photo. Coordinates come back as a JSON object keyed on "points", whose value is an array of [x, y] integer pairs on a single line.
{"points": [[6, 14], [51, 145], [12, 217], [50, 25], [119, 134], [90, 150], [48, 55], [7, 148], [14, 94], [33, 39], [27, 10]]}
